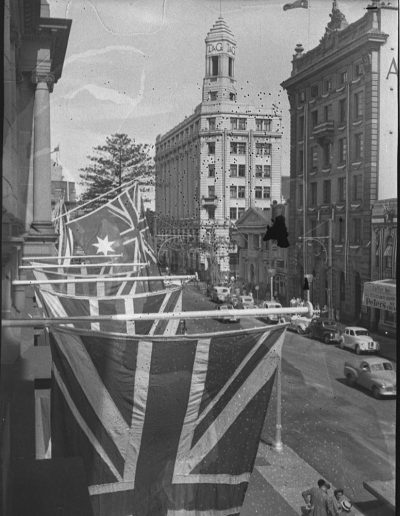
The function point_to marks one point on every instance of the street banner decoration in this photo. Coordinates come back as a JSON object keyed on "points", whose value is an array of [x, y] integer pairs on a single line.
{"points": [[119, 226], [296, 4], [164, 425], [55, 304]]}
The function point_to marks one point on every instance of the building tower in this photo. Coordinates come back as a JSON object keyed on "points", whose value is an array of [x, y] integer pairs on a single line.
{"points": [[212, 167], [219, 79]]}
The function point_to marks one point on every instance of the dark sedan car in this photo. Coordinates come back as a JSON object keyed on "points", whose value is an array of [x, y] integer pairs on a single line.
{"points": [[324, 329]]}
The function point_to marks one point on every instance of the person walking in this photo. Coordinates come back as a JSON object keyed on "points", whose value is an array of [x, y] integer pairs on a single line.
{"points": [[317, 500]]}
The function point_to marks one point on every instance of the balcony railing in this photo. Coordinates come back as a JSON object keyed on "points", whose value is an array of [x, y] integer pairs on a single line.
{"points": [[210, 201], [323, 130]]}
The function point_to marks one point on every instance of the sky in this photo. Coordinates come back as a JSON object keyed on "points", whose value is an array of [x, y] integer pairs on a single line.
{"points": [[136, 66]]}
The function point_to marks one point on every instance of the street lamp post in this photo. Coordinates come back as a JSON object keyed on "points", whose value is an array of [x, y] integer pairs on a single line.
{"points": [[272, 272]]}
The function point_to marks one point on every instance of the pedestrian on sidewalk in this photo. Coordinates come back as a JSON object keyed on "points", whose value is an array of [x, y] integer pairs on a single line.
{"points": [[317, 500], [342, 505]]}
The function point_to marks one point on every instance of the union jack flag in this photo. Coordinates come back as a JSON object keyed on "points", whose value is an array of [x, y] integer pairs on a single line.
{"points": [[166, 426], [117, 227]]}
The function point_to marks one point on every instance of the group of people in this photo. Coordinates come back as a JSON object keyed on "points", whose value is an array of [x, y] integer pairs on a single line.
{"points": [[320, 503]]}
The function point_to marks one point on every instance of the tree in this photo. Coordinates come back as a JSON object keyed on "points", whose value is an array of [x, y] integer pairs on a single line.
{"points": [[119, 161]]}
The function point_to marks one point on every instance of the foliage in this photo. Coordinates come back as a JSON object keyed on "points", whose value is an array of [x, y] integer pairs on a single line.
{"points": [[120, 160]]}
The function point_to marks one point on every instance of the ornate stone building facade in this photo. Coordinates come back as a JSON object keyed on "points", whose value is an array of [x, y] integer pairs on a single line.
{"points": [[343, 109], [217, 163]]}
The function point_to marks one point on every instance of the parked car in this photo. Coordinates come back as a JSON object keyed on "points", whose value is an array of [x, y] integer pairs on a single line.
{"points": [[247, 301], [324, 329], [219, 294], [359, 340], [373, 373], [299, 324], [227, 318], [272, 318]]}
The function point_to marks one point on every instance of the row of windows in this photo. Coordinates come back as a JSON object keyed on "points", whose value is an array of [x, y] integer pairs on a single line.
{"points": [[262, 149], [318, 229], [262, 124], [327, 153], [319, 116], [356, 193], [214, 66], [333, 81], [240, 170], [213, 95], [236, 213]]}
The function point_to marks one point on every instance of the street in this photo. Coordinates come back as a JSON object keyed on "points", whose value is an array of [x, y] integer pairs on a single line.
{"points": [[341, 431]]}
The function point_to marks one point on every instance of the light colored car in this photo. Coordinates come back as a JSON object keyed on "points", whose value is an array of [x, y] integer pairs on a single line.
{"points": [[227, 318], [359, 340], [247, 301], [272, 318], [373, 373], [219, 294], [299, 324]]}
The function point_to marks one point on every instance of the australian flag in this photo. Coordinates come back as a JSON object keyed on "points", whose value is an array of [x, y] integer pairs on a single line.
{"points": [[166, 426], [296, 4], [118, 227]]}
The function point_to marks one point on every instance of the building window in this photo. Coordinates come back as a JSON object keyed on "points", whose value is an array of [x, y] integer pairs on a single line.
{"points": [[258, 192], [211, 213], [314, 118], [258, 170], [357, 106], [388, 253], [358, 146], [233, 192], [301, 127], [240, 212], [263, 124], [211, 124], [327, 191], [313, 194], [314, 91], [266, 192], [342, 150], [211, 191], [301, 161], [214, 65], [241, 192], [232, 96], [213, 95], [302, 96], [233, 213], [230, 67], [357, 188], [211, 170], [356, 231], [242, 124], [257, 242], [326, 113], [327, 85], [263, 149], [211, 147], [342, 287], [340, 230], [234, 123], [300, 197], [327, 153], [233, 170], [341, 188], [267, 170], [343, 77], [314, 157], [238, 148], [242, 171], [358, 70], [342, 111]]}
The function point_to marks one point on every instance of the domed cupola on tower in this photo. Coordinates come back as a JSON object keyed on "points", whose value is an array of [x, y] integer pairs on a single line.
{"points": [[219, 80]]}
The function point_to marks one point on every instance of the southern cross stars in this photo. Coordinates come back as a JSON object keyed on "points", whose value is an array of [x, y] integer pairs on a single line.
{"points": [[104, 245]]}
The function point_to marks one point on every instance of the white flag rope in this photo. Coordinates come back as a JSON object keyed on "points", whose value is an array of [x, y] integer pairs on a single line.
{"points": [[250, 312], [80, 265], [112, 279], [74, 257]]}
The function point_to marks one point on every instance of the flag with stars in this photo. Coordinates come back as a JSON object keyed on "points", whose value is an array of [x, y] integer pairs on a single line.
{"points": [[296, 4], [166, 426], [117, 227]]}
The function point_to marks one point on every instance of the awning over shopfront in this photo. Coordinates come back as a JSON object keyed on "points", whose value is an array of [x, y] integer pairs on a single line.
{"points": [[380, 294]]}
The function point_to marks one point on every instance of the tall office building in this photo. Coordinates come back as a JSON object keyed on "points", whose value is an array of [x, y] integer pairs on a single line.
{"points": [[215, 164], [343, 109]]}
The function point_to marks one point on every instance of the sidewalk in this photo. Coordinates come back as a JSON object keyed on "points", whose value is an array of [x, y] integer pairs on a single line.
{"points": [[277, 482]]}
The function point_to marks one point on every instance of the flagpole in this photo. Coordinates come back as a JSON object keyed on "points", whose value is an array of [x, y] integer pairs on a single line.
{"points": [[96, 199], [75, 257], [206, 314], [103, 280], [80, 265]]}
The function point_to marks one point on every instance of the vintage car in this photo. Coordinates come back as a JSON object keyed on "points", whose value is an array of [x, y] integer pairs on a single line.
{"points": [[373, 373], [227, 318], [272, 318], [247, 301], [299, 323], [359, 340], [324, 329], [220, 294]]}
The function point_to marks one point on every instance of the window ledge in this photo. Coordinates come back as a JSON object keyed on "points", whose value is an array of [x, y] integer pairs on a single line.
{"points": [[356, 164], [357, 122], [355, 246], [342, 127], [338, 90], [326, 170], [341, 167], [325, 95], [355, 205], [355, 81], [312, 100]]}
